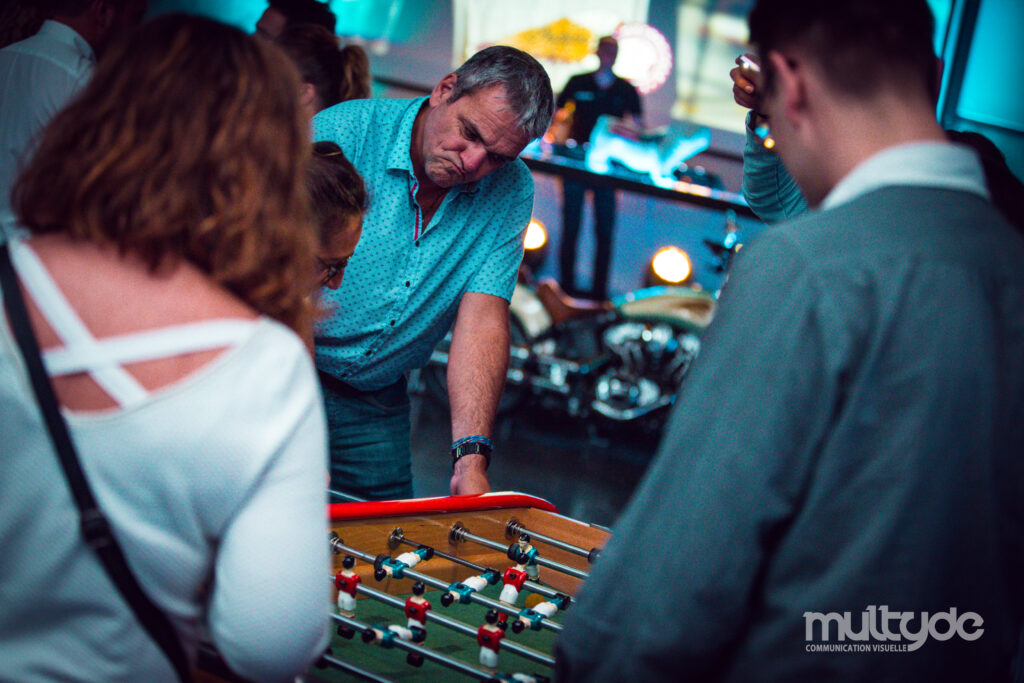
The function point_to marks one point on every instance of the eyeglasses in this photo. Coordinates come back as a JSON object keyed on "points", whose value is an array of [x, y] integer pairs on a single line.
{"points": [[331, 270]]}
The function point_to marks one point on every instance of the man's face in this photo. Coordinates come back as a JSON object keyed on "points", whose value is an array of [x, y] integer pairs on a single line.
{"points": [[607, 52], [470, 138], [271, 23]]}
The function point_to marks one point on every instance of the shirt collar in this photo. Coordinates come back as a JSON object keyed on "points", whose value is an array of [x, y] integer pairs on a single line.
{"points": [[921, 164], [400, 158], [65, 34]]}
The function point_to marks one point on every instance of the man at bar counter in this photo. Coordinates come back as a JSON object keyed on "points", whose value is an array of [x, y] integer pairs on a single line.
{"points": [[442, 242], [839, 495], [593, 94]]}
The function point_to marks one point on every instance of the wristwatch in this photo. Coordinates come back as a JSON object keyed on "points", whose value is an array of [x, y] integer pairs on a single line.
{"points": [[472, 447]]}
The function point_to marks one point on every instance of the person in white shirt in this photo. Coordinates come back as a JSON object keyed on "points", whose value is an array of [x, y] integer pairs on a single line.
{"points": [[40, 74], [167, 274]]}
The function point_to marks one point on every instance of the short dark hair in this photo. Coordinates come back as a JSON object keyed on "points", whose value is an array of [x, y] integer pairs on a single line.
{"points": [[859, 44], [306, 12], [72, 8], [526, 83], [336, 189], [19, 19]]}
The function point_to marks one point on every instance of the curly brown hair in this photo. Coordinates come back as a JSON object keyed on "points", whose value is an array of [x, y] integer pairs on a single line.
{"points": [[188, 144]]}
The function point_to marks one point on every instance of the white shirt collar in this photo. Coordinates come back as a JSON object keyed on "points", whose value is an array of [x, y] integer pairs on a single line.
{"points": [[922, 164], [65, 34]]}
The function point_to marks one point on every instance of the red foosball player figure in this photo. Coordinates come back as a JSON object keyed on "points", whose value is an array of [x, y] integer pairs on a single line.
{"points": [[346, 581], [489, 637], [514, 579], [416, 607]]}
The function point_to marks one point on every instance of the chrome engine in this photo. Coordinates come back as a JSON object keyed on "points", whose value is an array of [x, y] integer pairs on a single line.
{"points": [[649, 361]]}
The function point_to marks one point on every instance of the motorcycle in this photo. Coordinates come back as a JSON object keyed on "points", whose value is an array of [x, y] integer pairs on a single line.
{"points": [[619, 361]]}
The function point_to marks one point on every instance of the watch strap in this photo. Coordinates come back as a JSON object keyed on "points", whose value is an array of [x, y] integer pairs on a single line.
{"points": [[463, 449]]}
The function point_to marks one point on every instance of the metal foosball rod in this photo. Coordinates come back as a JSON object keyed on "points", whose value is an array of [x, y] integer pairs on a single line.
{"points": [[424, 652], [459, 533], [455, 625], [514, 528], [398, 536], [348, 668], [338, 546]]}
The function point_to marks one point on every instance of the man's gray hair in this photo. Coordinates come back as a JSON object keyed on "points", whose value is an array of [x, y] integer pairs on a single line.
{"points": [[526, 83]]}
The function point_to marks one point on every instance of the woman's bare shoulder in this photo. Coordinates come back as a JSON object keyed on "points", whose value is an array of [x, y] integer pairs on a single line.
{"points": [[118, 295]]}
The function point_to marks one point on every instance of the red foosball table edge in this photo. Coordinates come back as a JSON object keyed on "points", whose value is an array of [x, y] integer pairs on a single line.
{"points": [[436, 505]]}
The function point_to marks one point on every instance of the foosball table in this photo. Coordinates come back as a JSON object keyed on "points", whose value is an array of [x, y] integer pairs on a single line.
{"points": [[434, 588]]}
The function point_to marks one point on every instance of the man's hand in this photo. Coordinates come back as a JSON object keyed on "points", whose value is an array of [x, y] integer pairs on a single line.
{"points": [[470, 475], [746, 82]]}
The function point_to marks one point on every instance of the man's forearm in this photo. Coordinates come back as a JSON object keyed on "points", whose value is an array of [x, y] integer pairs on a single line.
{"points": [[768, 188], [477, 364]]}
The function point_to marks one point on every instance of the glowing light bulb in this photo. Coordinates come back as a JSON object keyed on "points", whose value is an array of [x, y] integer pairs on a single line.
{"points": [[672, 265], [536, 235]]}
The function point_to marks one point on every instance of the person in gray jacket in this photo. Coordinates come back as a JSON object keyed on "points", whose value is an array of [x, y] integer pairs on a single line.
{"points": [[839, 494]]}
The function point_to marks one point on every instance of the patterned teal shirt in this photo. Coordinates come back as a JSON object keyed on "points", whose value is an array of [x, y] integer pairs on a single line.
{"points": [[403, 285]]}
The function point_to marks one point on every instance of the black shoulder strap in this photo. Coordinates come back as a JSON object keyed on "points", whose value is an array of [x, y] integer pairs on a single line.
{"points": [[94, 525]]}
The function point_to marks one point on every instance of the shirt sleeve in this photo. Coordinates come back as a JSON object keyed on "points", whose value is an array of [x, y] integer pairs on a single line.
{"points": [[339, 124], [673, 588], [270, 601], [497, 275], [767, 186]]}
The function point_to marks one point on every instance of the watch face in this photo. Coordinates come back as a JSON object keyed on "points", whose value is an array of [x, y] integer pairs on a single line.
{"points": [[468, 448]]}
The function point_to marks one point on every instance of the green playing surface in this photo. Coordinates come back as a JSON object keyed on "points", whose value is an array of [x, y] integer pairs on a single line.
{"points": [[390, 663]]}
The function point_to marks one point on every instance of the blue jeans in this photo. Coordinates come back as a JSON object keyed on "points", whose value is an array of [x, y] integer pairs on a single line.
{"points": [[369, 435]]}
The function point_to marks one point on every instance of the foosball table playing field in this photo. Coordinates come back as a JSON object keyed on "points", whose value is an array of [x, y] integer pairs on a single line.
{"points": [[444, 588]]}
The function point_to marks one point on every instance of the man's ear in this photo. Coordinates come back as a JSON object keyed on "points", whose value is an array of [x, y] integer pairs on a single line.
{"points": [[443, 90], [789, 85]]}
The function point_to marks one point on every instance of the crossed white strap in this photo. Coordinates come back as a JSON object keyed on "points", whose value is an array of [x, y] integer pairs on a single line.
{"points": [[103, 358]]}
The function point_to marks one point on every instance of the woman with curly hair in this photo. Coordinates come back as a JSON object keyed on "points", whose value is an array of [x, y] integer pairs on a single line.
{"points": [[167, 272]]}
